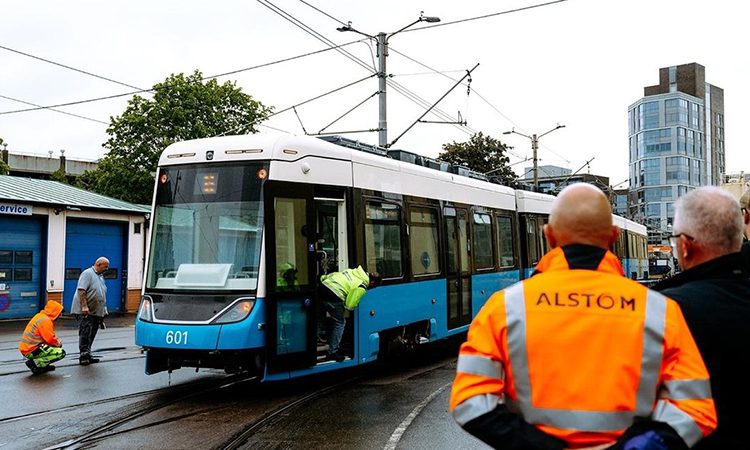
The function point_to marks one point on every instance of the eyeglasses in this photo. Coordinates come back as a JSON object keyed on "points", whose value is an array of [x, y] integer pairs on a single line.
{"points": [[673, 241]]}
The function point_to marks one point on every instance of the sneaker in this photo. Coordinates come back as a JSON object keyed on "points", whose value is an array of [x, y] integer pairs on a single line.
{"points": [[84, 361], [49, 368], [94, 360]]}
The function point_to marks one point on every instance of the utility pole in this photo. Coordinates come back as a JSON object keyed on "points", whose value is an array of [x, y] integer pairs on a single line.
{"points": [[382, 46], [534, 148], [382, 103]]}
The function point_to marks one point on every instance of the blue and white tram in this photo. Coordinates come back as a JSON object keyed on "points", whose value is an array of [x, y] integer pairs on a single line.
{"points": [[533, 213], [232, 215], [631, 247]]}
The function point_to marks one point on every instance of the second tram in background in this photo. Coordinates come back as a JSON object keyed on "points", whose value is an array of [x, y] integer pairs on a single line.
{"points": [[244, 226]]}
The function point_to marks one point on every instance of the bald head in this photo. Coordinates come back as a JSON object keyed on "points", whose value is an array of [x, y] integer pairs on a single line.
{"points": [[581, 214]]}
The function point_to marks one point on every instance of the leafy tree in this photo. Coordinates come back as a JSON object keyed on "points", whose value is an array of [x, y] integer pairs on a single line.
{"points": [[59, 175], [481, 153], [183, 107], [4, 167]]}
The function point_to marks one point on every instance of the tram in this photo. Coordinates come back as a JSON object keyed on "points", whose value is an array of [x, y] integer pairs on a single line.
{"points": [[233, 217]]}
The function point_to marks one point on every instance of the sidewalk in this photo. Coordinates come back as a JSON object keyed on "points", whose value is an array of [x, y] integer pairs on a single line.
{"points": [[15, 327]]}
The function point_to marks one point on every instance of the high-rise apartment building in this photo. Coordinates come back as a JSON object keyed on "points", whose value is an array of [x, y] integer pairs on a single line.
{"points": [[676, 143]]}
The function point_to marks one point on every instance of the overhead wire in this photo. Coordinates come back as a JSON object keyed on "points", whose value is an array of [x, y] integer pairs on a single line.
{"points": [[397, 86], [109, 97], [29, 55], [486, 16], [55, 110]]}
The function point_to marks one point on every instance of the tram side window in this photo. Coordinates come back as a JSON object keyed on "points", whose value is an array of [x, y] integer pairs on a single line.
{"points": [[618, 248], [532, 241], [505, 252], [383, 239], [291, 243], [543, 244], [423, 241], [483, 241]]}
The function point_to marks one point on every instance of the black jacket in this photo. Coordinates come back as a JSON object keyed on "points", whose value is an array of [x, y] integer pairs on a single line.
{"points": [[715, 300]]}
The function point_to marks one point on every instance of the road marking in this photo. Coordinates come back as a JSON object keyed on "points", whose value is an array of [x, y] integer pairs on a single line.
{"points": [[398, 432]]}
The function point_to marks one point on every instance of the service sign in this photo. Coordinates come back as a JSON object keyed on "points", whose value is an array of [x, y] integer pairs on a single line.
{"points": [[15, 209]]}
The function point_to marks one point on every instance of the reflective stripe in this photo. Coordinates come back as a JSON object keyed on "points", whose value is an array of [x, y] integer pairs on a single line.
{"points": [[474, 407], [678, 419], [686, 389], [598, 421], [515, 318], [651, 358], [571, 419], [481, 366]]}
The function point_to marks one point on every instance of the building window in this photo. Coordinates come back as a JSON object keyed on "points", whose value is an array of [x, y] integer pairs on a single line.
{"points": [[648, 114]]}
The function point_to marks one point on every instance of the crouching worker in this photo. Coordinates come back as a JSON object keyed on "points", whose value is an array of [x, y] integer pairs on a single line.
{"points": [[39, 343]]}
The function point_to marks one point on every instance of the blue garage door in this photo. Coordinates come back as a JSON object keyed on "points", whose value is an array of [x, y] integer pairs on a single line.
{"points": [[21, 262], [84, 242]]}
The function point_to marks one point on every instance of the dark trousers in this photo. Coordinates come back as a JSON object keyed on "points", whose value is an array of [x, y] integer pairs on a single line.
{"points": [[87, 330], [334, 306]]}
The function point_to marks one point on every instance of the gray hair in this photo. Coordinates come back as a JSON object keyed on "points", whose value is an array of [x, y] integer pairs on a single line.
{"points": [[745, 200], [712, 216]]}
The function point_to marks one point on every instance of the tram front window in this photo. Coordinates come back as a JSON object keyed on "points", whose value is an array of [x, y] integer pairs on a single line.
{"points": [[207, 228]]}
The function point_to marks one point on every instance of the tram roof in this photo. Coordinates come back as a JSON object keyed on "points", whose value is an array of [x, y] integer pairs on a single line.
{"points": [[290, 148]]}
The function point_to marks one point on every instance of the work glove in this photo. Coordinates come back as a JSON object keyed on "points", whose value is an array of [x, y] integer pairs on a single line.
{"points": [[646, 441]]}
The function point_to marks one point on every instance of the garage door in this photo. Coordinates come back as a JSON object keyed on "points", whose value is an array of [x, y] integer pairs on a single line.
{"points": [[85, 241], [21, 262]]}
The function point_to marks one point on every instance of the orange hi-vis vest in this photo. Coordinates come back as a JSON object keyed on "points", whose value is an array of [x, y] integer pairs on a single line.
{"points": [[41, 329], [581, 354]]}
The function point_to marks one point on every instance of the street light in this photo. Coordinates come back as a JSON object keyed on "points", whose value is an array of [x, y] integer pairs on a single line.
{"points": [[382, 39], [534, 147]]}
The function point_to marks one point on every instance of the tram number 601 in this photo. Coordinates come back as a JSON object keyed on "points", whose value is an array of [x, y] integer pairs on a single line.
{"points": [[177, 337]]}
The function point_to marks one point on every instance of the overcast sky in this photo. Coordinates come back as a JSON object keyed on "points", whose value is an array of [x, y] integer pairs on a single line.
{"points": [[580, 63]]}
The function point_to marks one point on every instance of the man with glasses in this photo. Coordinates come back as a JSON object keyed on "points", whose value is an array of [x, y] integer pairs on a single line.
{"points": [[745, 205], [713, 292]]}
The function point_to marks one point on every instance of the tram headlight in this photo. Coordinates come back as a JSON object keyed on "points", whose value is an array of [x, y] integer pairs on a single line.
{"points": [[237, 312], [146, 312]]}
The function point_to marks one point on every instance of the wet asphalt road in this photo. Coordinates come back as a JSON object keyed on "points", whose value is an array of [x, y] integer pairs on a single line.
{"points": [[401, 405]]}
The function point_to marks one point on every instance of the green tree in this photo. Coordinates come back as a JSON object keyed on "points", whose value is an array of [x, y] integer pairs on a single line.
{"points": [[4, 167], [482, 154], [183, 107], [59, 175]]}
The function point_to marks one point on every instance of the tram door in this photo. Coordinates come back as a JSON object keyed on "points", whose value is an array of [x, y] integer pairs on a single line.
{"points": [[458, 250], [291, 271], [306, 238]]}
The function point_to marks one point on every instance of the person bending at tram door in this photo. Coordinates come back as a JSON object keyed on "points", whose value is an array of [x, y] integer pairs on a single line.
{"points": [[341, 291], [580, 356], [39, 343], [714, 295], [90, 307]]}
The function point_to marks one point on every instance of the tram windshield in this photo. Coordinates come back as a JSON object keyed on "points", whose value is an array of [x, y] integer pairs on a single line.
{"points": [[207, 228]]}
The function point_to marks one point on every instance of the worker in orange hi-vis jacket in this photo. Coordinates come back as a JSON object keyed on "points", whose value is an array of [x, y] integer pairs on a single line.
{"points": [[579, 356], [39, 343]]}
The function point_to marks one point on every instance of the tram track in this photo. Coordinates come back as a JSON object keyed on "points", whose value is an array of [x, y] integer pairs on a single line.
{"points": [[239, 440], [108, 430]]}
